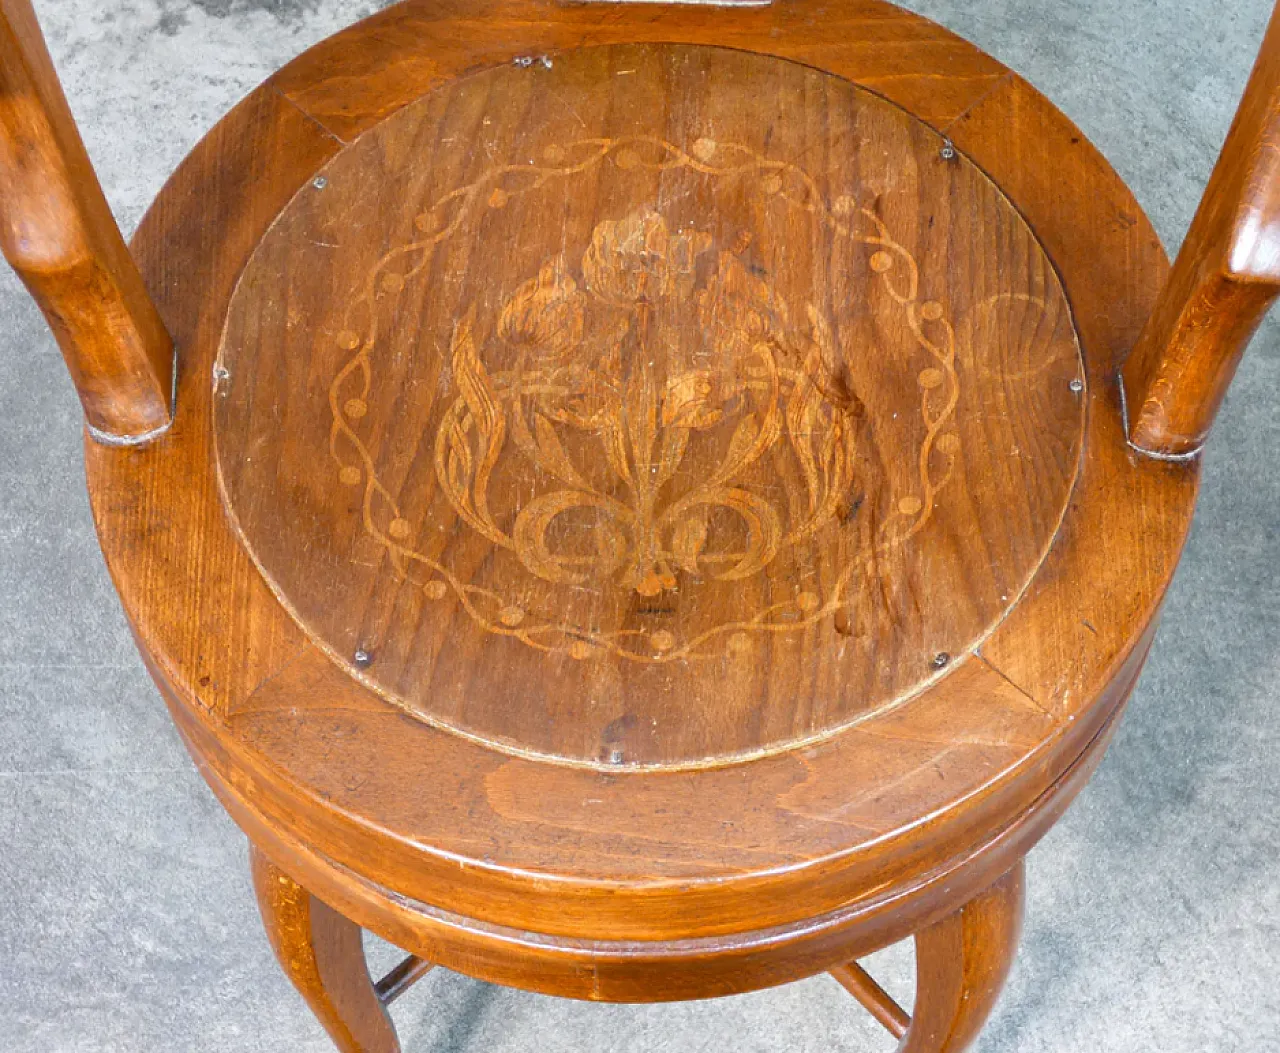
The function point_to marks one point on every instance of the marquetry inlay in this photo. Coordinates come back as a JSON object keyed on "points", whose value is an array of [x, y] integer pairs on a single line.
{"points": [[599, 379]]}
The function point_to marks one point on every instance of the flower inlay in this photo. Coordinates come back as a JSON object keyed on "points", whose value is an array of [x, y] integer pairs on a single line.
{"points": [[601, 378]]}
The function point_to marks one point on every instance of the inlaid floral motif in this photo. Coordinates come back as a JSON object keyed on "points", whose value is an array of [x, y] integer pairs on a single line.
{"points": [[643, 388], [616, 360]]}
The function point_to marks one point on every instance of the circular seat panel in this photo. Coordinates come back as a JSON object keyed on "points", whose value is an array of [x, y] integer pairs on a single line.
{"points": [[648, 405]]}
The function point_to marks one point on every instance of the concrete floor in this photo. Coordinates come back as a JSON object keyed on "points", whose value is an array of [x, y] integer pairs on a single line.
{"points": [[126, 916]]}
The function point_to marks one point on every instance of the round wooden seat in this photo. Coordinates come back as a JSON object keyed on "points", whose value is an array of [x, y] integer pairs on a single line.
{"points": [[648, 513], [596, 426]]}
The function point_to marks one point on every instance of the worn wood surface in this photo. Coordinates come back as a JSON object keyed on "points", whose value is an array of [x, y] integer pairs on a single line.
{"points": [[1226, 277], [719, 366], [961, 966], [362, 75], [279, 703], [57, 232], [1087, 614], [322, 953], [627, 970], [521, 851]]}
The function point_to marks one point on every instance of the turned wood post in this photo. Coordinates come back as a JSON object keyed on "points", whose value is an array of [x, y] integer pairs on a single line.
{"points": [[57, 231], [1224, 280]]}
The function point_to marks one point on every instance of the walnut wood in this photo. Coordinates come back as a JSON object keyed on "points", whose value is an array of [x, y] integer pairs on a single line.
{"points": [[728, 607], [628, 971], [322, 953], [1226, 276], [360, 76], [278, 699], [273, 714], [874, 998], [1086, 613], [401, 978], [495, 837], [57, 232], [961, 965]]}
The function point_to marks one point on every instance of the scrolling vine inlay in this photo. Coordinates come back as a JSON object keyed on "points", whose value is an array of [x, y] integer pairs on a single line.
{"points": [[752, 372], [615, 413]]}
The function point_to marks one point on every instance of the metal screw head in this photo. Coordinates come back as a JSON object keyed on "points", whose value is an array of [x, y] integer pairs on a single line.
{"points": [[524, 61], [362, 658], [546, 61], [941, 659], [220, 372], [948, 150], [320, 182], [615, 756], [1076, 385]]}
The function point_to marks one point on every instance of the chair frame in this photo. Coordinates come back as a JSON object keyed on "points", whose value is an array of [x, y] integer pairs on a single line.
{"points": [[57, 232]]}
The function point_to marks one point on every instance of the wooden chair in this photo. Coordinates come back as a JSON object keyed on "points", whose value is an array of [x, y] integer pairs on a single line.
{"points": [[649, 502]]}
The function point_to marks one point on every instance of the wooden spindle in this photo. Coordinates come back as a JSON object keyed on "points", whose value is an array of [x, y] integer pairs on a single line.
{"points": [[874, 998], [401, 978], [1224, 280], [57, 231]]}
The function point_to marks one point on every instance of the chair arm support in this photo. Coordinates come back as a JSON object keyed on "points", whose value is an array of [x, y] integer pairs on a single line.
{"points": [[1225, 278], [57, 232]]}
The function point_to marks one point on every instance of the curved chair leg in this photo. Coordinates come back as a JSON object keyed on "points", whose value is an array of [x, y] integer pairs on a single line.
{"points": [[961, 965], [322, 954]]}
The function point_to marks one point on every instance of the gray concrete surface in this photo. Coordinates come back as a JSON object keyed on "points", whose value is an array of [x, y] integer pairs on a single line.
{"points": [[126, 916]]}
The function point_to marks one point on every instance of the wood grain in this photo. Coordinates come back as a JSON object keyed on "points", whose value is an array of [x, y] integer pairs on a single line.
{"points": [[769, 843], [322, 953], [359, 77], [558, 872], [265, 149], [57, 232], [1225, 279], [961, 966], [664, 970], [694, 427], [1087, 614], [280, 709]]}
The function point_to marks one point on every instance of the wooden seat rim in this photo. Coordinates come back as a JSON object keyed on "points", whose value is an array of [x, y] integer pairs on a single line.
{"points": [[598, 909], [127, 471], [613, 970]]}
